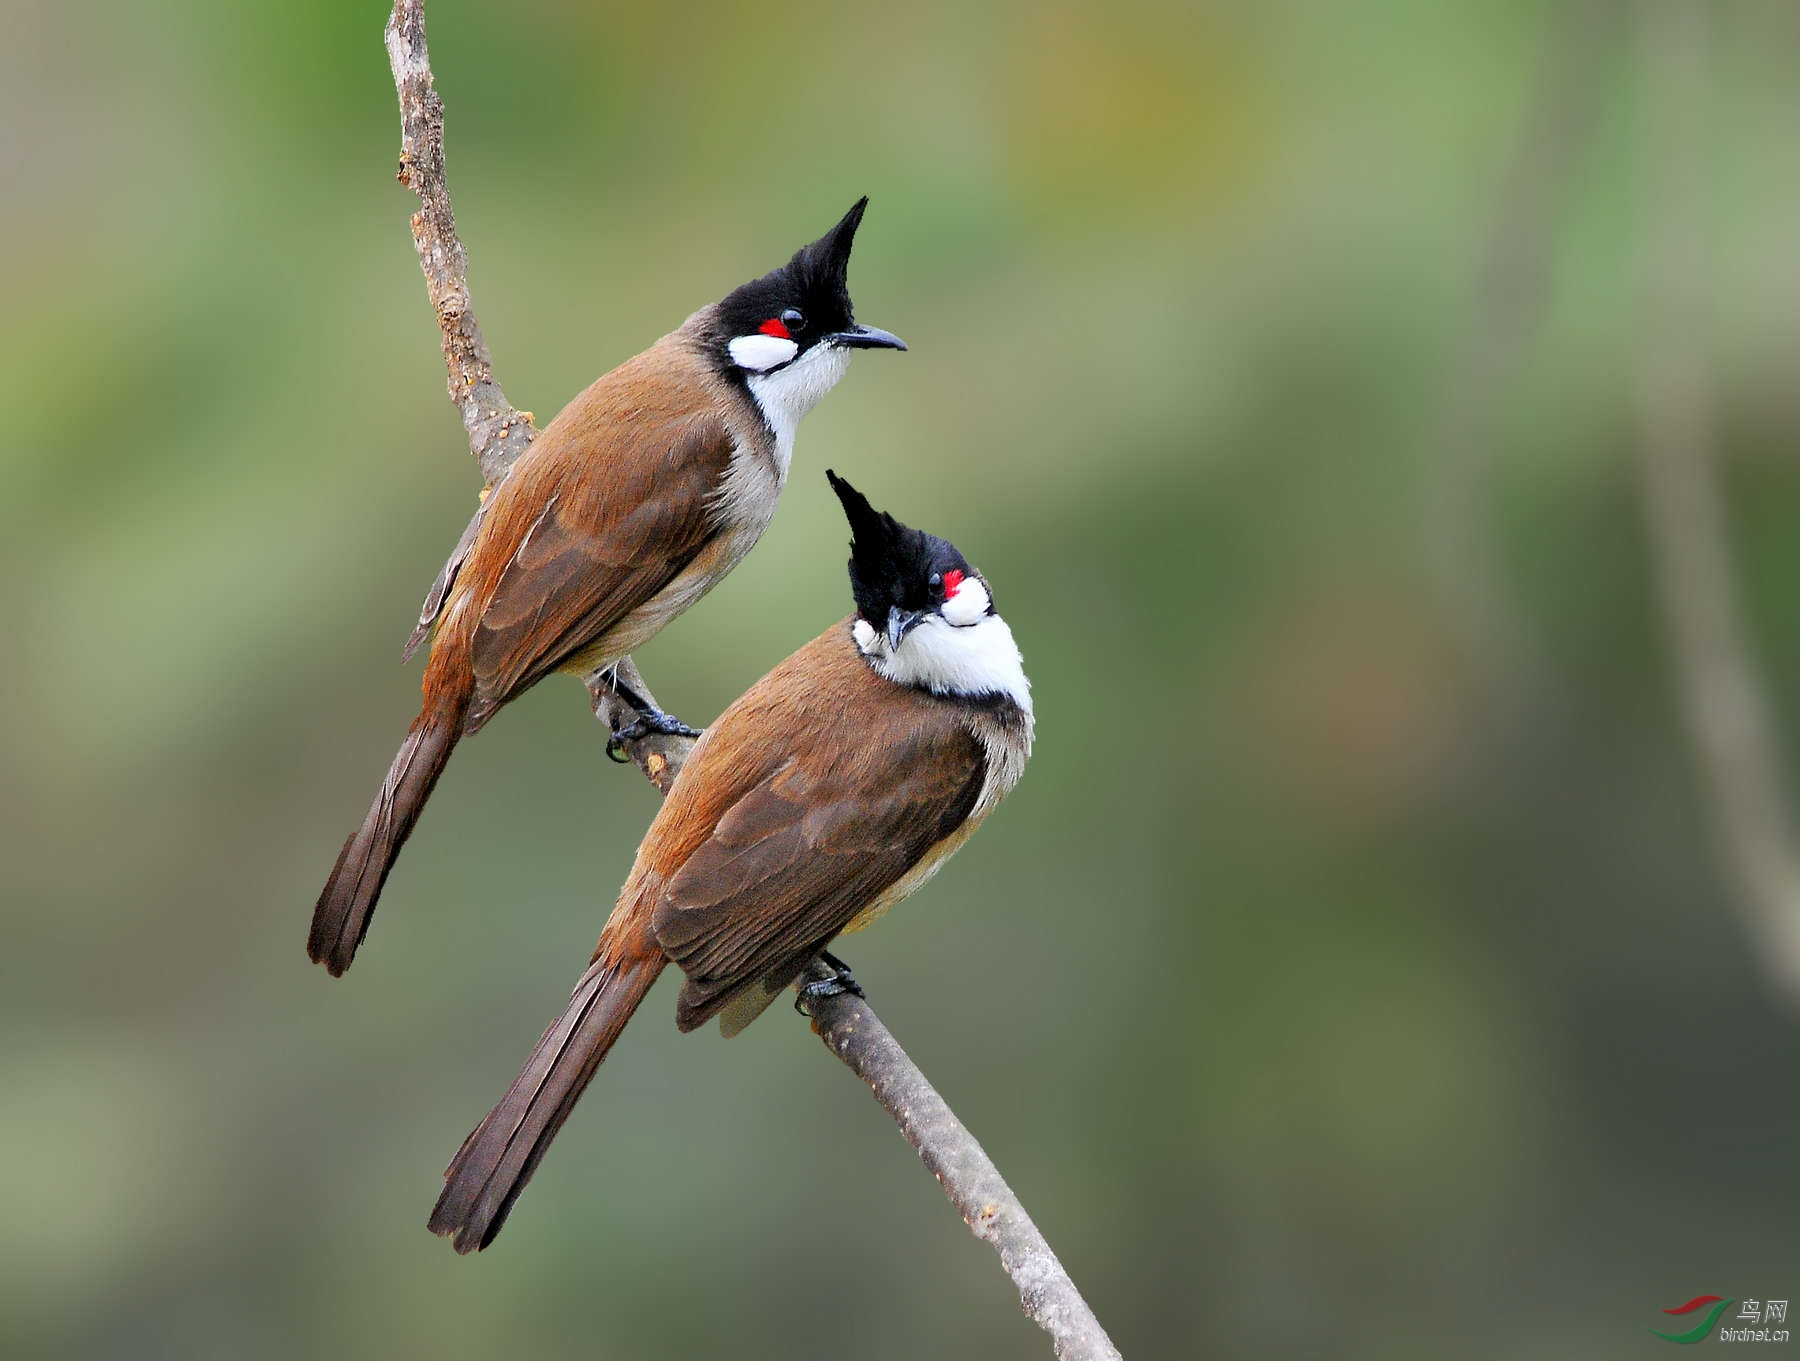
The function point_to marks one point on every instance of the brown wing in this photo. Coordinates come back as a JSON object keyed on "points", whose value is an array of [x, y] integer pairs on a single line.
{"points": [[604, 542], [793, 860]]}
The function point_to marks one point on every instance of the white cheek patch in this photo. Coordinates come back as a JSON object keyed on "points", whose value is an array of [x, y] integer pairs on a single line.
{"points": [[864, 635], [968, 605], [760, 353]]}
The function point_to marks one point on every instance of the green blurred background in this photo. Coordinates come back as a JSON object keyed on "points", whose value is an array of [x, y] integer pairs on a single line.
{"points": [[1331, 986]]}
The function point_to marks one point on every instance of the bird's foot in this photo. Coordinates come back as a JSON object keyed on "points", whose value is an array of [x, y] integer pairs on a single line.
{"points": [[653, 722], [813, 989]]}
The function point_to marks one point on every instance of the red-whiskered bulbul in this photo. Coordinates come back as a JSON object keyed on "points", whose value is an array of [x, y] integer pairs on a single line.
{"points": [[632, 504], [829, 791]]}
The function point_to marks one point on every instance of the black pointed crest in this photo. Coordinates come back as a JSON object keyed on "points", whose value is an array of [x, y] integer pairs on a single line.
{"points": [[890, 564], [815, 282], [826, 262]]}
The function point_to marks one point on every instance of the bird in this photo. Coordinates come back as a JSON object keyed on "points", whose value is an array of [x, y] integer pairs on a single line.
{"points": [[642, 494], [829, 791]]}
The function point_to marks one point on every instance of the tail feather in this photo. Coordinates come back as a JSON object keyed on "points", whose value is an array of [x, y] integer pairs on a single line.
{"points": [[494, 1163], [341, 917]]}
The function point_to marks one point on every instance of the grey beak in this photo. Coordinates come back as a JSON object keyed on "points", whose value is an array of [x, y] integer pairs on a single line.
{"points": [[866, 338], [900, 623]]}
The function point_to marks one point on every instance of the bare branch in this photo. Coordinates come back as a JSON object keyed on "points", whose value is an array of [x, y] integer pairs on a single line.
{"points": [[849, 1026], [1729, 715], [498, 433], [852, 1031]]}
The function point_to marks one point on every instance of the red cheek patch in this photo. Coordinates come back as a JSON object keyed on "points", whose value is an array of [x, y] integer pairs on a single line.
{"points": [[953, 579], [773, 327]]}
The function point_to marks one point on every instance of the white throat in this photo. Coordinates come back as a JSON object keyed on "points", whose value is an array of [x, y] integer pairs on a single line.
{"points": [[947, 659], [789, 393]]}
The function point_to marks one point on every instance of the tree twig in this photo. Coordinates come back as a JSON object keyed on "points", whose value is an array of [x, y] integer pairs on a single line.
{"points": [[852, 1031], [498, 434], [1729, 716]]}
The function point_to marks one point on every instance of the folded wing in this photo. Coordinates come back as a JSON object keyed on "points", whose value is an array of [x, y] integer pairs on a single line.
{"points": [[600, 545], [792, 861]]}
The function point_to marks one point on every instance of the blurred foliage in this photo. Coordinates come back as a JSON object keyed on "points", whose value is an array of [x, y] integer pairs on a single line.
{"points": [[1317, 999]]}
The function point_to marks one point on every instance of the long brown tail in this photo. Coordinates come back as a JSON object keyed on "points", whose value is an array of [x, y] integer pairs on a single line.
{"points": [[496, 1161], [341, 917]]}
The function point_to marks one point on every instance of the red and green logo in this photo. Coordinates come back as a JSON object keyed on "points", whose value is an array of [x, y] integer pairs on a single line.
{"points": [[1702, 1330]]}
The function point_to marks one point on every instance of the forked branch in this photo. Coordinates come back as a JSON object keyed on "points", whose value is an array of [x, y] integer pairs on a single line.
{"points": [[498, 434]]}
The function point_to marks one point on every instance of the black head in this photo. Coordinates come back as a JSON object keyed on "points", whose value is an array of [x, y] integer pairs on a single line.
{"points": [[899, 575], [769, 322]]}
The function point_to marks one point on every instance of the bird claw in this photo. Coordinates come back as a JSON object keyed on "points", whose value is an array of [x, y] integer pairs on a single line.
{"points": [[653, 723], [842, 981]]}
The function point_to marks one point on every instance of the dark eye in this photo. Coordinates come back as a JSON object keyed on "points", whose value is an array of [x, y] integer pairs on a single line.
{"points": [[937, 579], [794, 319]]}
